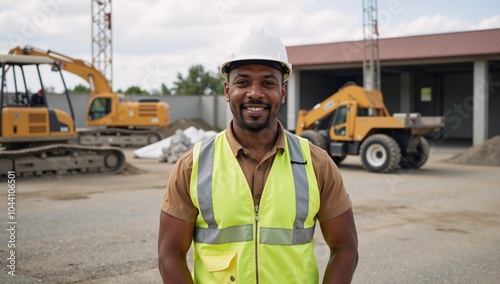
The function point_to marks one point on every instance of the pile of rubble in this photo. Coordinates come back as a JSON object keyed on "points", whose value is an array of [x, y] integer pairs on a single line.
{"points": [[187, 133], [179, 143], [484, 154]]}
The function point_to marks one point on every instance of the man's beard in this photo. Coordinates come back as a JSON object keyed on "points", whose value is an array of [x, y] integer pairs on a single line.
{"points": [[257, 126]]}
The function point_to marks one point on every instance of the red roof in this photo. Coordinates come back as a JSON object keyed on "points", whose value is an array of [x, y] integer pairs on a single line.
{"points": [[459, 44]]}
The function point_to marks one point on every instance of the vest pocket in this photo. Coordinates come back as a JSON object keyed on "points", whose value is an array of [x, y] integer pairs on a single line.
{"points": [[221, 266]]}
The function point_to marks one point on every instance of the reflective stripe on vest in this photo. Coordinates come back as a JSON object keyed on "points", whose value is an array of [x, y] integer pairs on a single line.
{"points": [[276, 236]]}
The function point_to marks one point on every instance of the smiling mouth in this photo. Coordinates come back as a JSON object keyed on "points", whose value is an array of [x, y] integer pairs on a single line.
{"points": [[254, 108]]}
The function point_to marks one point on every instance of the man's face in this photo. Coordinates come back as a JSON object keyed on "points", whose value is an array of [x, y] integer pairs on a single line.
{"points": [[255, 94]]}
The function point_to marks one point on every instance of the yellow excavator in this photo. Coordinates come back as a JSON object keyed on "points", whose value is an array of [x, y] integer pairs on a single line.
{"points": [[361, 125], [36, 139], [111, 118]]}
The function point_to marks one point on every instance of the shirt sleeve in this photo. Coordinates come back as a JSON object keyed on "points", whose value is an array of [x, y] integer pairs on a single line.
{"points": [[177, 200], [334, 199]]}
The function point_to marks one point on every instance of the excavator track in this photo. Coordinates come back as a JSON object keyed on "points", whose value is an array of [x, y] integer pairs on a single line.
{"points": [[125, 137], [62, 159], [121, 137]]}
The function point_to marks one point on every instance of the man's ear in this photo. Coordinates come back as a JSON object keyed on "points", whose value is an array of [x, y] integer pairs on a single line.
{"points": [[284, 89], [226, 90]]}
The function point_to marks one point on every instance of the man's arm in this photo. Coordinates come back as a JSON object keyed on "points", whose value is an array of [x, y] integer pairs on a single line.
{"points": [[340, 235], [174, 241]]}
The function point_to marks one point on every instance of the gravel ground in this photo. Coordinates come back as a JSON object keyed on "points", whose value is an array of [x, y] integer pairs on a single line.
{"points": [[438, 224]]}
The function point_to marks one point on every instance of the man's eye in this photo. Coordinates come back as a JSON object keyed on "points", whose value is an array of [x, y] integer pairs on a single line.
{"points": [[269, 83], [241, 83]]}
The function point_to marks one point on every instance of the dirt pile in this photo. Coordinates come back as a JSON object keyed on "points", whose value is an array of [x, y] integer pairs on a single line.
{"points": [[485, 154], [132, 170]]}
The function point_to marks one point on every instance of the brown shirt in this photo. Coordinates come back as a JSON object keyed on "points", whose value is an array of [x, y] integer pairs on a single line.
{"points": [[333, 197]]}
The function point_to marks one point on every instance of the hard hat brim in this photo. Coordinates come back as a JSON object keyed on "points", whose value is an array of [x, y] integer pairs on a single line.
{"points": [[284, 67]]}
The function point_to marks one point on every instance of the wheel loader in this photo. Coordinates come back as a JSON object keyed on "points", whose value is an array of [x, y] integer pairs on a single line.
{"points": [[361, 125], [36, 140], [110, 117]]}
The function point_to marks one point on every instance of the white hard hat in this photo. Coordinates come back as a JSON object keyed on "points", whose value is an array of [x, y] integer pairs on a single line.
{"points": [[260, 46]]}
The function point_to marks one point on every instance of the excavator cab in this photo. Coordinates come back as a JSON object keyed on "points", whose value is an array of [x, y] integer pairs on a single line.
{"points": [[99, 108], [114, 110], [21, 123]]}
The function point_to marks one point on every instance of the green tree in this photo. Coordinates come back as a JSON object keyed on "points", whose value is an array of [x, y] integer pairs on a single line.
{"points": [[155, 92], [198, 82], [136, 90], [165, 91], [162, 91], [216, 83], [80, 89]]}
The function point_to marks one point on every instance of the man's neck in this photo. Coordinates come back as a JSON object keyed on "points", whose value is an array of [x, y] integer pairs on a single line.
{"points": [[258, 143]]}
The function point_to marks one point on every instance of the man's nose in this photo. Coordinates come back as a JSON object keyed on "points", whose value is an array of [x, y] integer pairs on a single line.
{"points": [[255, 90]]}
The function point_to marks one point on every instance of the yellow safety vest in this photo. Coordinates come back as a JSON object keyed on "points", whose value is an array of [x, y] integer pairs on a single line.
{"points": [[236, 241]]}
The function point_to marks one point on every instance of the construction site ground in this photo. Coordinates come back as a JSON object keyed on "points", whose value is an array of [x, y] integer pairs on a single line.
{"points": [[439, 224]]}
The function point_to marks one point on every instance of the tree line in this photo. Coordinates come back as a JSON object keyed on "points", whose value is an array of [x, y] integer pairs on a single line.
{"points": [[197, 82]]}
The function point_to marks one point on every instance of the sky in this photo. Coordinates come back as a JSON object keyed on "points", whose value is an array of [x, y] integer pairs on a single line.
{"points": [[154, 40]]}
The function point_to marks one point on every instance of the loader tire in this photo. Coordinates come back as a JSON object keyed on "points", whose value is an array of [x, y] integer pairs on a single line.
{"points": [[318, 140], [418, 158], [380, 153], [338, 159], [315, 138]]}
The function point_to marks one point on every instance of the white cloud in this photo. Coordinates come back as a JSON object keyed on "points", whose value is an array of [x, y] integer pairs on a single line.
{"points": [[438, 24], [489, 23], [425, 25], [320, 26]]}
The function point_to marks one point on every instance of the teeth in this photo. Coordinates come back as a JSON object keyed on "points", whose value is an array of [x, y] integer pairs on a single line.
{"points": [[255, 108]]}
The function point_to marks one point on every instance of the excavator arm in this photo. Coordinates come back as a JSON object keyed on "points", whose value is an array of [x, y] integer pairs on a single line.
{"points": [[364, 98], [85, 70]]}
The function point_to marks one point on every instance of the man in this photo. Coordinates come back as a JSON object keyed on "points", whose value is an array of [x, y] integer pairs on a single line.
{"points": [[37, 100], [249, 198]]}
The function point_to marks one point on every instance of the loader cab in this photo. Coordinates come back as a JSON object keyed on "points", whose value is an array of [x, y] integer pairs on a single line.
{"points": [[342, 123]]}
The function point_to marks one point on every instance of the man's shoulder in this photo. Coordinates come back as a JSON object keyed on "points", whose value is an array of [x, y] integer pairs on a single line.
{"points": [[185, 160], [320, 158]]}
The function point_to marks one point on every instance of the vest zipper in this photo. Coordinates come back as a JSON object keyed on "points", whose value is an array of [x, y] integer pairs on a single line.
{"points": [[256, 243]]}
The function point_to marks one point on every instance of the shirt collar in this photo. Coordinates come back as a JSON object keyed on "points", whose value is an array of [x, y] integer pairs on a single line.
{"points": [[237, 148]]}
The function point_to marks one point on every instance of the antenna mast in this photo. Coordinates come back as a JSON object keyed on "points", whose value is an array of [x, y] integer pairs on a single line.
{"points": [[102, 44], [371, 61]]}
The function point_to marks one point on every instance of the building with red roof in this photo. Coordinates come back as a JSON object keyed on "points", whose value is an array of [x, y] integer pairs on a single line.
{"points": [[461, 70]]}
